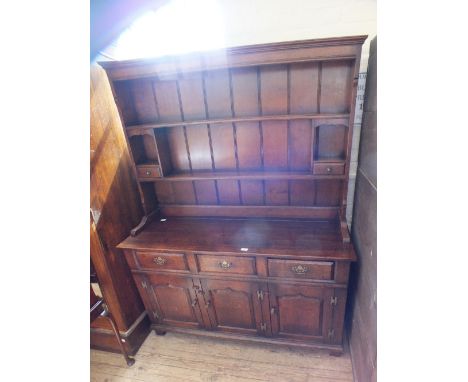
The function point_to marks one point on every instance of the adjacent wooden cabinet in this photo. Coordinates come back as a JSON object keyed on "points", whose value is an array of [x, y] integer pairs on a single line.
{"points": [[242, 159]]}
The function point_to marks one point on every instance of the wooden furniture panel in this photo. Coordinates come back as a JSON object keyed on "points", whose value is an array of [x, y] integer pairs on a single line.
{"points": [[165, 192], [228, 192], [116, 208], [178, 147], [149, 171], [330, 141], [206, 191], [275, 145], [233, 306], [276, 192], [304, 87], [249, 145], [300, 145], [252, 192], [226, 264], [302, 192], [328, 193], [336, 85], [144, 101], [328, 168], [253, 149], [162, 261], [224, 148], [245, 91], [191, 93], [173, 301], [126, 104], [198, 143], [300, 311], [218, 94], [184, 192], [274, 89], [323, 270], [144, 148], [167, 99]]}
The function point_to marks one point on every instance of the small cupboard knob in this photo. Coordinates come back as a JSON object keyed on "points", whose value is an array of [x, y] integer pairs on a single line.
{"points": [[148, 172], [329, 170]]}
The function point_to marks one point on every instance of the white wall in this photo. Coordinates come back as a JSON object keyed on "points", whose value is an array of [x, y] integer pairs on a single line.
{"points": [[262, 21]]}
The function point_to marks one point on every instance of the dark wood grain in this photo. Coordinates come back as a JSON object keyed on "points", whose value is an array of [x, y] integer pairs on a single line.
{"points": [[252, 145], [249, 118], [167, 100], [285, 237], [304, 83], [116, 207]]}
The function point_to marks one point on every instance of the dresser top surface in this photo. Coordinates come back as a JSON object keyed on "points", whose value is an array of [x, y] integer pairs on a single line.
{"points": [[319, 239]]}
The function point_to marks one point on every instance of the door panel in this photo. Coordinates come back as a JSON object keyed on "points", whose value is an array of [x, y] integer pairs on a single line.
{"points": [[174, 301], [142, 284], [300, 311], [233, 306]]}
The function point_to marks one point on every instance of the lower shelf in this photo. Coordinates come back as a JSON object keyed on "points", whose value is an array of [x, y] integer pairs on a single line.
{"points": [[104, 339], [333, 349]]}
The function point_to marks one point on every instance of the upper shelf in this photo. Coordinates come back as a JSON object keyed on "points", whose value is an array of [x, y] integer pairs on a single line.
{"points": [[257, 118]]}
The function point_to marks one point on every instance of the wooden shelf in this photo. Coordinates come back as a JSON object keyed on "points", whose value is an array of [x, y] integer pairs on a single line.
{"points": [[218, 175], [283, 117]]}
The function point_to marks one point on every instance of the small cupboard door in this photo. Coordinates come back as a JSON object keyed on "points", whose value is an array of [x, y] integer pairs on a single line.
{"points": [[233, 306], [174, 301], [300, 311]]}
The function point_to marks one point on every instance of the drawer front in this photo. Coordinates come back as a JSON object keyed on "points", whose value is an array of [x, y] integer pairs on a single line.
{"points": [[328, 168], [316, 270], [149, 171], [162, 261], [226, 264]]}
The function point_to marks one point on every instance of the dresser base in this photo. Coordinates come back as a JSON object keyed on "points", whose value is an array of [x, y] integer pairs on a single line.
{"points": [[335, 350]]}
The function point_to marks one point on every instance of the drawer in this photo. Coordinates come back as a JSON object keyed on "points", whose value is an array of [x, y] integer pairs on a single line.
{"points": [[316, 270], [149, 171], [328, 168], [162, 261], [226, 264]]}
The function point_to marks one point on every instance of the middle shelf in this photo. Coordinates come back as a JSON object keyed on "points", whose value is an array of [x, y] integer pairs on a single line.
{"points": [[151, 173], [301, 149]]}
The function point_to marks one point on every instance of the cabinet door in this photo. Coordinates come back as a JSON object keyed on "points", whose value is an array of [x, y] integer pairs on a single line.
{"points": [[233, 306], [300, 311], [174, 301]]}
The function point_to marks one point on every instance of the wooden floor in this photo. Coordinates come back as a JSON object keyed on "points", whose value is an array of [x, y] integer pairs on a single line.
{"points": [[176, 357]]}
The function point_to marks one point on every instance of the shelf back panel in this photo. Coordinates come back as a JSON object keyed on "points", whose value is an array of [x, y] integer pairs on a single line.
{"points": [[220, 108]]}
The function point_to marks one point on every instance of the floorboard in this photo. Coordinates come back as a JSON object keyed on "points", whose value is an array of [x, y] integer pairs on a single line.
{"points": [[176, 357]]}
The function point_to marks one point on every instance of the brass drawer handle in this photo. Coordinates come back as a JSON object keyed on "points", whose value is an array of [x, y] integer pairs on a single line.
{"points": [[148, 172], [299, 269], [160, 260], [329, 170], [225, 265]]}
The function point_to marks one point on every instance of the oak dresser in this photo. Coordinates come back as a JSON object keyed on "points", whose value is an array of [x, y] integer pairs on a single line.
{"points": [[242, 159]]}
